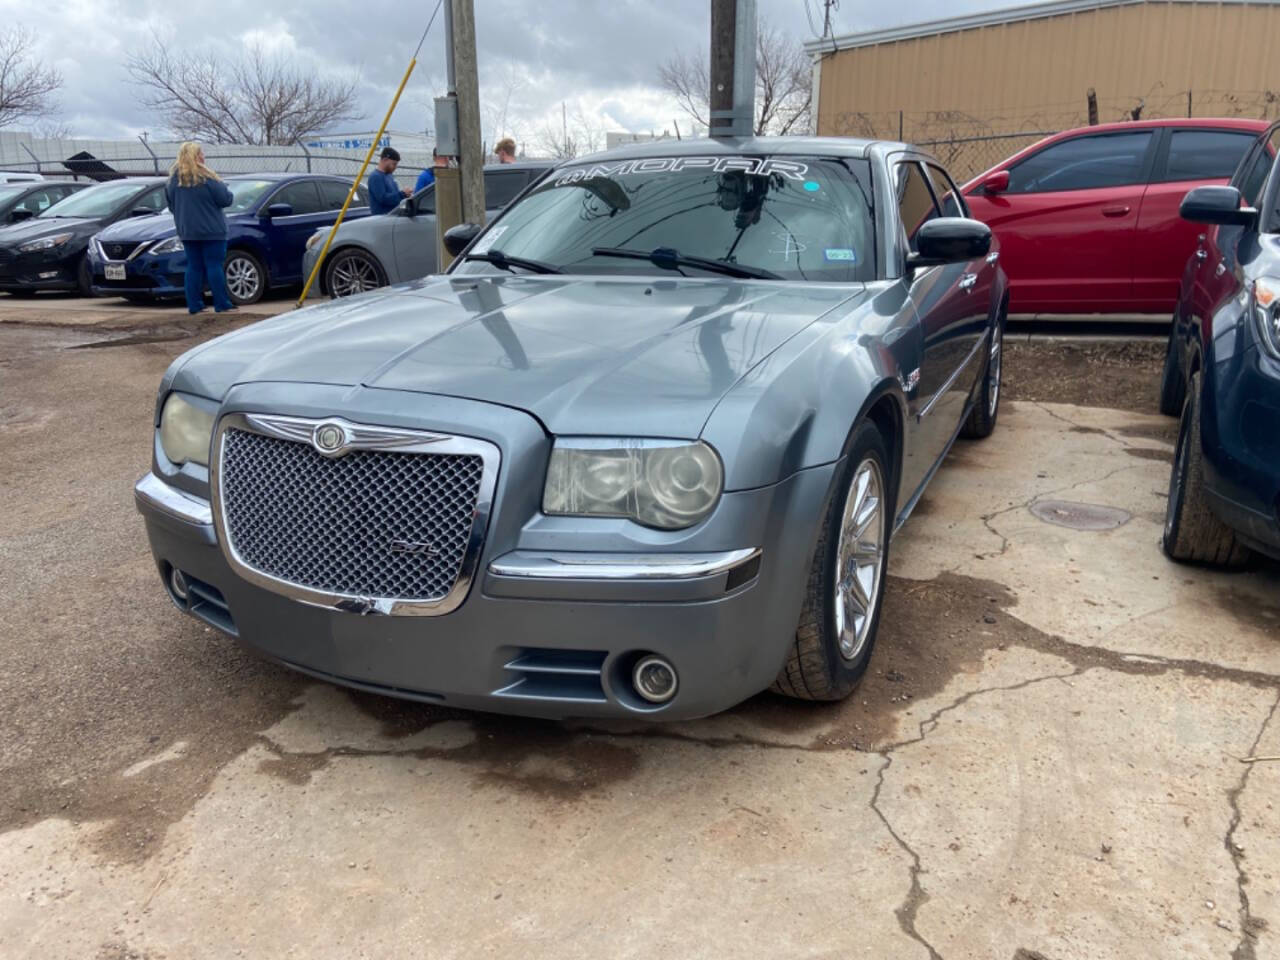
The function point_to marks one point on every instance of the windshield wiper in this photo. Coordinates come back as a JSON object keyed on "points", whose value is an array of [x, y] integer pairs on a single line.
{"points": [[669, 259], [502, 261]]}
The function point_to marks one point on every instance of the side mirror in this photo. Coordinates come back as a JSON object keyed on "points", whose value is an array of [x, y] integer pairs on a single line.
{"points": [[950, 240], [997, 182], [1220, 205], [17, 216], [457, 238], [279, 210], [141, 212]]}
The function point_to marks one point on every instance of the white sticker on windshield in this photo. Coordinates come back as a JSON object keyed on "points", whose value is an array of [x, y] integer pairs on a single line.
{"points": [[488, 240]]}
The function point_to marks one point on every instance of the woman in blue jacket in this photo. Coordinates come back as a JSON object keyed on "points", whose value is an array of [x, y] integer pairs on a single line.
{"points": [[196, 198]]}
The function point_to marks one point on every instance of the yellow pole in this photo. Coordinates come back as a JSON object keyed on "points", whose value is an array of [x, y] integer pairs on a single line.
{"points": [[352, 192]]}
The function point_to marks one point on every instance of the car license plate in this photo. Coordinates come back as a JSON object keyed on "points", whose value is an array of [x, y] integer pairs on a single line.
{"points": [[115, 271]]}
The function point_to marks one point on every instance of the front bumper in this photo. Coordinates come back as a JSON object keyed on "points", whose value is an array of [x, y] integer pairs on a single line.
{"points": [[544, 631], [161, 277], [38, 271]]}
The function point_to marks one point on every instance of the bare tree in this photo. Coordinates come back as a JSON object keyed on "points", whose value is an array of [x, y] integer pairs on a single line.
{"points": [[576, 134], [258, 99], [27, 88], [784, 83]]}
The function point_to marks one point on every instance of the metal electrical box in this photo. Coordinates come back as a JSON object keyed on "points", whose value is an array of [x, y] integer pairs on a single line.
{"points": [[447, 126]]}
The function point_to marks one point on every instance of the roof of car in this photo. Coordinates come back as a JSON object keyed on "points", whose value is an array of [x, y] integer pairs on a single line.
{"points": [[1215, 123], [282, 175], [729, 146]]}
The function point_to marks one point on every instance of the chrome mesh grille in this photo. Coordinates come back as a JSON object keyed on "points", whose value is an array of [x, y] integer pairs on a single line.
{"points": [[330, 524]]}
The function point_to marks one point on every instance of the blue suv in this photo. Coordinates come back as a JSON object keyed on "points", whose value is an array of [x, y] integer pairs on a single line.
{"points": [[267, 230]]}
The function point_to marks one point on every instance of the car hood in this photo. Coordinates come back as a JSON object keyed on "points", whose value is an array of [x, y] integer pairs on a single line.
{"points": [[634, 356], [140, 229], [38, 227]]}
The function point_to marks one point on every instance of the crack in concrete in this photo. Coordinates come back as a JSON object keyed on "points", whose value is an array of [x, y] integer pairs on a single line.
{"points": [[909, 909], [1245, 948], [1124, 444]]}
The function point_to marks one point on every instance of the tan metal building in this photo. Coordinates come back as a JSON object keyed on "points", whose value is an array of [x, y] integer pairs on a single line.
{"points": [[1030, 69]]}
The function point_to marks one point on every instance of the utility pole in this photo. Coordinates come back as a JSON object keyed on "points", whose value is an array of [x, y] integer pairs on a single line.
{"points": [[460, 188], [733, 68], [828, 5]]}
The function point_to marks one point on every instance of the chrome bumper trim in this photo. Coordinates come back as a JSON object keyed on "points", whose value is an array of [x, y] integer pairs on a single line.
{"points": [[153, 492], [537, 565]]}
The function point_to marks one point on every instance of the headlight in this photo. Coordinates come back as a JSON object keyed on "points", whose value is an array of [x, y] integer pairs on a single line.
{"points": [[172, 245], [658, 483], [45, 243], [1266, 310], [185, 431]]}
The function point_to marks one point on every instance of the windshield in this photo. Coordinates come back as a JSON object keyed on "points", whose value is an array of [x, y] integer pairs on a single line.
{"points": [[8, 192], [246, 193], [93, 202], [800, 218]]}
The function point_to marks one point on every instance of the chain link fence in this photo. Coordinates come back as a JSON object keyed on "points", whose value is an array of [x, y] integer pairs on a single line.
{"points": [[113, 159]]}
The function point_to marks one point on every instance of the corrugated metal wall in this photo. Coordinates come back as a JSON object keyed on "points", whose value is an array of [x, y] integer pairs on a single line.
{"points": [[1035, 74]]}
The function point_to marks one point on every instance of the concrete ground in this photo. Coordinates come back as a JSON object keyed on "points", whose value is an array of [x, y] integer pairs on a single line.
{"points": [[1046, 760]]}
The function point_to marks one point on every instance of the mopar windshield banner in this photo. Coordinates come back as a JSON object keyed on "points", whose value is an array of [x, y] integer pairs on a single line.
{"points": [[755, 166]]}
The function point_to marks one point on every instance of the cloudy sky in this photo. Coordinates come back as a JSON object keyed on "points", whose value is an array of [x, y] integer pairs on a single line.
{"points": [[600, 58]]}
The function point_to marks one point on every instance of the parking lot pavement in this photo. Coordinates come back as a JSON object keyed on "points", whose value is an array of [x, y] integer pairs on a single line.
{"points": [[1045, 759], [107, 313]]}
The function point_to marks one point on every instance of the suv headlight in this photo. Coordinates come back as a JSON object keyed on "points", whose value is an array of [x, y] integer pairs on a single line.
{"points": [[172, 245], [667, 484], [185, 431], [1266, 310], [45, 243]]}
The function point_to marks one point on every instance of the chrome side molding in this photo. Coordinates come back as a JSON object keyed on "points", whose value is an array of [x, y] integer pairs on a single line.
{"points": [[550, 565]]}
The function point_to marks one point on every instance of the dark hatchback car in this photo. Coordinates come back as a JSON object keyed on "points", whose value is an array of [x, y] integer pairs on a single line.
{"points": [[268, 224], [22, 201], [49, 251], [1222, 372]]}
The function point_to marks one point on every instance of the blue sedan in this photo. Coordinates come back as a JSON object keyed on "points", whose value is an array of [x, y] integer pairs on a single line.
{"points": [[267, 229]]}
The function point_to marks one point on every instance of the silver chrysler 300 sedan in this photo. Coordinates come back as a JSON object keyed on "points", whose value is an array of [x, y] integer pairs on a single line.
{"points": [[639, 453]]}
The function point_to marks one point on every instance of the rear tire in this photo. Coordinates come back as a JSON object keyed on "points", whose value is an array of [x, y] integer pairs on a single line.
{"points": [[841, 613], [981, 422], [1173, 388], [246, 277], [1192, 533], [349, 272]]}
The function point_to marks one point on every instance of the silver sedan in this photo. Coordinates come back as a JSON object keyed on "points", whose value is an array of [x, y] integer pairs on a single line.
{"points": [[401, 245]]}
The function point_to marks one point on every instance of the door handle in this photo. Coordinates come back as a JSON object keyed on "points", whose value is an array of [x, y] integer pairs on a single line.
{"points": [[967, 282], [993, 256], [1119, 210], [1202, 254]]}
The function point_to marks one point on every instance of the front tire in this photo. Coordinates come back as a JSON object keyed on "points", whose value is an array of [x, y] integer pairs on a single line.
{"points": [[1192, 533], [1173, 388], [84, 277], [841, 612], [981, 422], [246, 277], [353, 271]]}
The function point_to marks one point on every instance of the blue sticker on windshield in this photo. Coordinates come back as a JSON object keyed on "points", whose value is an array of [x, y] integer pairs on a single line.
{"points": [[840, 254], [812, 186]]}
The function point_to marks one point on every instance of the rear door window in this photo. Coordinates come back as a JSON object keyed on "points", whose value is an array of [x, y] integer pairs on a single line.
{"points": [[1083, 163], [302, 196], [1205, 154], [501, 187], [334, 195], [915, 200], [151, 200]]}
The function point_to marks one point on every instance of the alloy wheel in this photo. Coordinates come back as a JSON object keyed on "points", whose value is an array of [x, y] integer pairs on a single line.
{"points": [[243, 279], [860, 559], [353, 274]]}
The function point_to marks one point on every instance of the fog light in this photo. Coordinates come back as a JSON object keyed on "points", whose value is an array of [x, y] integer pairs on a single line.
{"points": [[178, 584], [654, 679], [48, 274]]}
